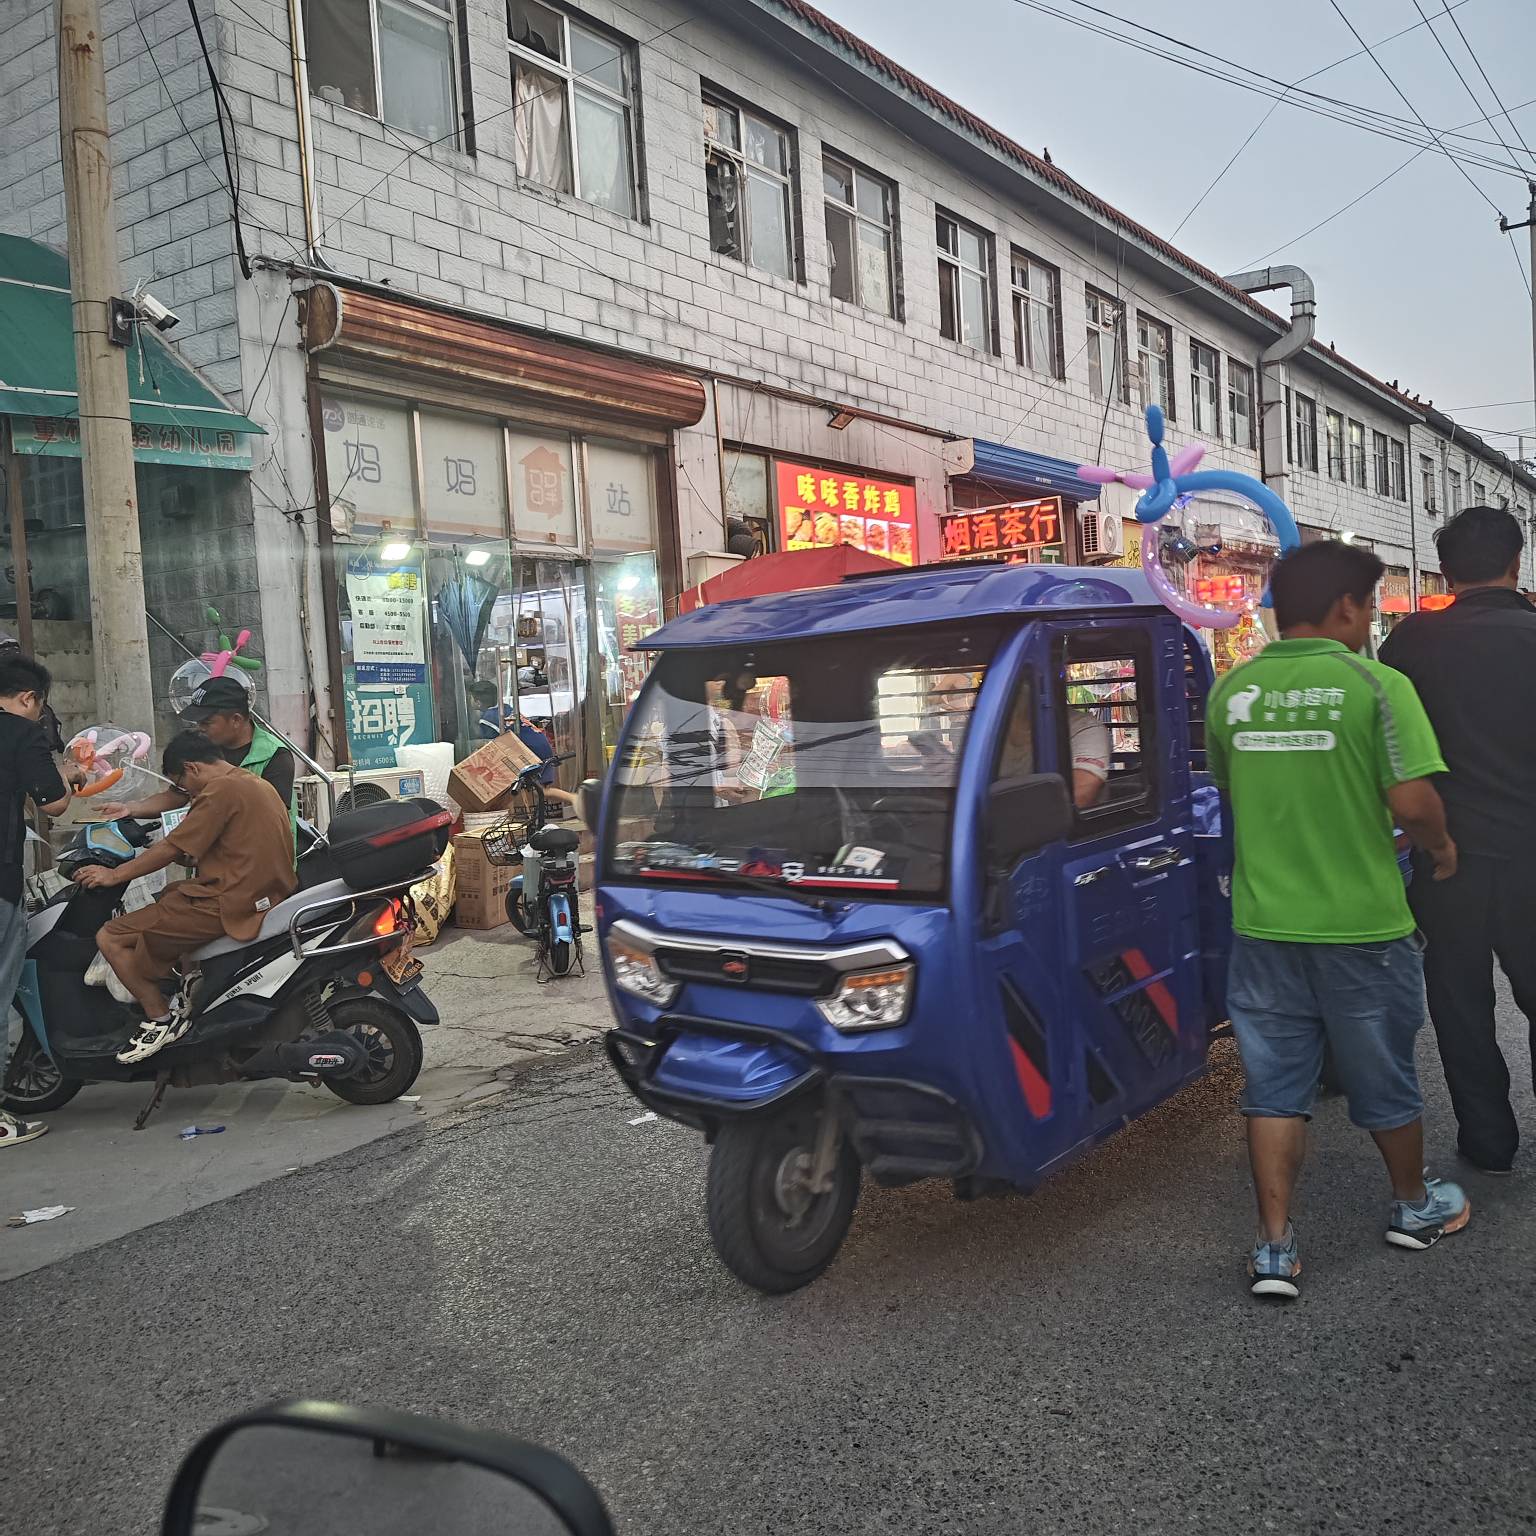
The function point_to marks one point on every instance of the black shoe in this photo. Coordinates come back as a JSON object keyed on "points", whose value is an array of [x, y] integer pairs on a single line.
{"points": [[1496, 1170]]}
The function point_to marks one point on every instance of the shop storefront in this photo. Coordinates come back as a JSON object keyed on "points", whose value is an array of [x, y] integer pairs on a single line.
{"points": [[192, 454], [794, 503], [501, 530], [1234, 580], [1028, 501]]}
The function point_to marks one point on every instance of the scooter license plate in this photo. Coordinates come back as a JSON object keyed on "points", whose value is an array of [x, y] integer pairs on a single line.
{"points": [[400, 965]]}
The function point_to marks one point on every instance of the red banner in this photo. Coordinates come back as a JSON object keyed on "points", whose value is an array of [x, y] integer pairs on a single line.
{"points": [[822, 507]]}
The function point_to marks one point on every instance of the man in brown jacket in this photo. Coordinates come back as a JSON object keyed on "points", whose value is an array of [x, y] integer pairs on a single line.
{"points": [[237, 835]]}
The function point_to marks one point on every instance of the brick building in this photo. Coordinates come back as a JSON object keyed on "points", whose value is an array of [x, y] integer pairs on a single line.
{"points": [[541, 294]]}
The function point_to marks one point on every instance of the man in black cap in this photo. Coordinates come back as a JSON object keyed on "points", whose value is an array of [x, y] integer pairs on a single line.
{"points": [[221, 709]]}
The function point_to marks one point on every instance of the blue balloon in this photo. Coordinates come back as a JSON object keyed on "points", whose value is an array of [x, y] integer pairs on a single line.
{"points": [[1159, 500]]}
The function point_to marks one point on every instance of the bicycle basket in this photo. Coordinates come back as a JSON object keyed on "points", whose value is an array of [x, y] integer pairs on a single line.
{"points": [[503, 843]]}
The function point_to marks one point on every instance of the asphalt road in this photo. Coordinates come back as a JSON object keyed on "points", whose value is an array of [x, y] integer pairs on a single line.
{"points": [[1085, 1360]]}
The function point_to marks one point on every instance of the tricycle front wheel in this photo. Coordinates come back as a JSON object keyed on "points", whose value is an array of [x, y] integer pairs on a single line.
{"points": [[771, 1227]]}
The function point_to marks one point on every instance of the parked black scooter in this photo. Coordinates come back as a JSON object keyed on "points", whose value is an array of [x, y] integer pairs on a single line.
{"points": [[327, 992]]}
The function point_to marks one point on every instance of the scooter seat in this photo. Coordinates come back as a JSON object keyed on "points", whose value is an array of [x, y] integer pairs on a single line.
{"points": [[275, 923], [554, 840]]}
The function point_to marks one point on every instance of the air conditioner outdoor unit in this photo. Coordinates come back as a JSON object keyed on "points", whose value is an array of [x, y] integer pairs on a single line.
{"points": [[1101, 535], [369, 786]]}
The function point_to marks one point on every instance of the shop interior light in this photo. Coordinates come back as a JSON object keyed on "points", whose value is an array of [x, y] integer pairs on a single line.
{"points": [[477, 557], [1348, 536], [396, 550], [629, 581]]}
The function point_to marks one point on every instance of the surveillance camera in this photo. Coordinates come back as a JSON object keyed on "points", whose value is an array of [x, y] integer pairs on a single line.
{"points": [[157, 314]]}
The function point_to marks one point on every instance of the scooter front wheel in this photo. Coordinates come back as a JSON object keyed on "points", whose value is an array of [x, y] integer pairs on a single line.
{"points": [[33, 1085], [769, 1226]]}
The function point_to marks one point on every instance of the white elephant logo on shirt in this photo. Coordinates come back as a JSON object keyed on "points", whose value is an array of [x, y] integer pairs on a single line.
{"points": [[1240, 705]]}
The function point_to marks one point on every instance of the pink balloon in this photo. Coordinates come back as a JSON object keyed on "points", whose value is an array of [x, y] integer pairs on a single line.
{"points": [[1186, 459], [1097, 474], [1191, 612]]}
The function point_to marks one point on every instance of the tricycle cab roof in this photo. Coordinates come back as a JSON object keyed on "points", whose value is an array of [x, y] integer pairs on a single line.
{"points": [[923, 595]]}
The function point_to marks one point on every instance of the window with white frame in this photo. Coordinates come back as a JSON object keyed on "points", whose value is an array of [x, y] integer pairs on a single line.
{"points": [[395, 60], [1335, 446], [1306, 431], [861, 234], [1106, 345], [748, 178], [1290, 430], [1453, 490], [965, 282], [1399, 470], [572, 106], [1154, 359], [1036, 304], [1429, 492], [1241, 412], [1204, 389], [1357, 453], [1383, 475], [1479, 494]]}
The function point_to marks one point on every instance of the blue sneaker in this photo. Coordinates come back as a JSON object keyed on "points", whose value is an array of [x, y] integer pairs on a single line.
{"points": [[1275, 1268], [1445, 1209]]}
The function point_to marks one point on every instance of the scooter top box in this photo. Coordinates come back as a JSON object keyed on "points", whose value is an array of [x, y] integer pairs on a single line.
{"points": [[384, 843]]}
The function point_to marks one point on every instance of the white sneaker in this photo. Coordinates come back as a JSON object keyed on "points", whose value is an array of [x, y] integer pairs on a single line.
{"points": [[13, 1131], [154, 1035]]}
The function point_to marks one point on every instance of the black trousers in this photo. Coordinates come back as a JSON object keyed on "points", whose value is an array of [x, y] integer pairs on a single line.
{"points": [[1487, 909]]}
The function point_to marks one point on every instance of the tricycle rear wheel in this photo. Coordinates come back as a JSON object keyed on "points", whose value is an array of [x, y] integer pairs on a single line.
{"points": [[769, 1228]]}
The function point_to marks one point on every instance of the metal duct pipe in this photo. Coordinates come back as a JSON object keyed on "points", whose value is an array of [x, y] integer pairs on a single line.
{"points": [[1272, 360]]}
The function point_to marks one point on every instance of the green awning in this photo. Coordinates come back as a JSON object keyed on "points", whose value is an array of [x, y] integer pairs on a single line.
{"points": [[177, 417]]}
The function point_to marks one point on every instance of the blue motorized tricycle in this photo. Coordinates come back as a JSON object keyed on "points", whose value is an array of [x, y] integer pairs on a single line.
{"points": [[909, 876]]}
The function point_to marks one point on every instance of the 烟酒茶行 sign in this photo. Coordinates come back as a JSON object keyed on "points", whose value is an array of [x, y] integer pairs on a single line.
{"points": [[1021, 528]]}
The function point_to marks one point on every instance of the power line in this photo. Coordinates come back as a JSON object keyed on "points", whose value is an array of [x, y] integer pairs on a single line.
{"points": [[1456, 22], [1352, 114], [220, 109], [1456, 68], [1386, 75]]}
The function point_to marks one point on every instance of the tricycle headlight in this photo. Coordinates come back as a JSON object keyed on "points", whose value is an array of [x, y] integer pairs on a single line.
{"points": [[870, 999], [635, 971]]}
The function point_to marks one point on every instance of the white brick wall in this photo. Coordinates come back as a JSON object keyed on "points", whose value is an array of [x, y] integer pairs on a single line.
{"points": [[460, 229]]}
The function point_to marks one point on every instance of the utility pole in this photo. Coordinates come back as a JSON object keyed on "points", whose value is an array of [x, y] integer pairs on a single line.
{"points": [[1530, 224], [119, 632]]}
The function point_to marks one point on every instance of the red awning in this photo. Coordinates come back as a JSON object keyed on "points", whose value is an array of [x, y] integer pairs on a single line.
{"points": [[792, 570]]}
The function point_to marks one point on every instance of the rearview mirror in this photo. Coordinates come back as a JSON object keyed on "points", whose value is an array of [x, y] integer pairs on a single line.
{"points": [[326, 1469], [1025, 814], [589, 801]]}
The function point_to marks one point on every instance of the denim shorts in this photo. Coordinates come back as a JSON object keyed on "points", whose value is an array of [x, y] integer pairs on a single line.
{"points": [[1366, 1001]]}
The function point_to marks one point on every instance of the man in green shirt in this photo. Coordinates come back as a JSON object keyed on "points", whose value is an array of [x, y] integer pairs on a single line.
{"points": [[1319, 751]]}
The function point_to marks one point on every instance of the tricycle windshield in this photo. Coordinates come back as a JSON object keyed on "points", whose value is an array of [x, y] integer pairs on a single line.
{"points": [[828, 763]]}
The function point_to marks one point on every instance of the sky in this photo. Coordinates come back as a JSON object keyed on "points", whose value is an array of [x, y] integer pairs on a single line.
{"points": [[1415, 283]]}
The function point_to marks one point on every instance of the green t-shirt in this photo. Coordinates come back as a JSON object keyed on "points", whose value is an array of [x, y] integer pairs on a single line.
{"points": [[1306, 739]]}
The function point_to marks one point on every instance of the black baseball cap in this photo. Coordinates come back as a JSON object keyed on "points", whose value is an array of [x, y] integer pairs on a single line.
{"points": [[218, 696]]}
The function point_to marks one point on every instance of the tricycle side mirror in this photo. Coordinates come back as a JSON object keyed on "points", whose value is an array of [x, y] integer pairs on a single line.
{"points": [[313, 1466], [589, 801], [1025, 814]]}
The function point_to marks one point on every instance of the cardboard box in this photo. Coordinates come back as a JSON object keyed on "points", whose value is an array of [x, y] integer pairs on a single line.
{"points": [[480, 898], [485, 778]]}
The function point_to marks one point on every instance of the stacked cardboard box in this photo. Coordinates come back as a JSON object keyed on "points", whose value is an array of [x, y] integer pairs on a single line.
{"points": [[481, 898]]}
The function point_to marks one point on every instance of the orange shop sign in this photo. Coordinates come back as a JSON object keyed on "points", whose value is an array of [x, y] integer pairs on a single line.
{"points": [[1012, 530], [822, 507]]}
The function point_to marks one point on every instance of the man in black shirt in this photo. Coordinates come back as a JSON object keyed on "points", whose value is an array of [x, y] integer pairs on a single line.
{"points": [[1474, 666], [27, 771]]}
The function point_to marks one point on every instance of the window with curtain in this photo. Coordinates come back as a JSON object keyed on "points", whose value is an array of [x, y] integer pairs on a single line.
{"points": [[390, 59], [572, 97], [1154, 354], [1306, 431], [860, 212], [1335, 446], [748, 180], [1205, 389], [965, 282], [1036, 305], [1106, 338], [1240, 404]]}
